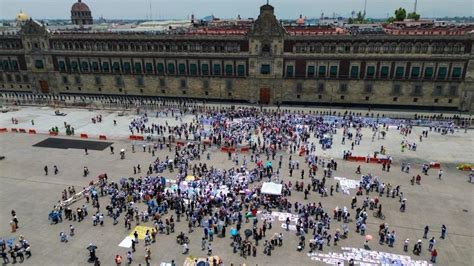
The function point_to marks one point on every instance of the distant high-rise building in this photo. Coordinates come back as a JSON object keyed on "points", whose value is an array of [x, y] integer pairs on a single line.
{"points": [[81, 14]]}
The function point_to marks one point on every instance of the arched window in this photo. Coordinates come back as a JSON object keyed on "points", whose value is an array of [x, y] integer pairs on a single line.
{"points": [[417, 48]]}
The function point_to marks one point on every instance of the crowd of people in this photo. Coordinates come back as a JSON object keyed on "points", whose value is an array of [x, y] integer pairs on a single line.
{"points": [[227, 203]]}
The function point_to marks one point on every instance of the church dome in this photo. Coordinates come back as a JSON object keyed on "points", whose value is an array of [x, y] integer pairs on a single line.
{"points": [[21, 17], [80, 7], [300, 21]]}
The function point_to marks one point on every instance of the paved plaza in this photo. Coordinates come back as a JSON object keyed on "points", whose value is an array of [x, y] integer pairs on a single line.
{"points": [[25, 188]]}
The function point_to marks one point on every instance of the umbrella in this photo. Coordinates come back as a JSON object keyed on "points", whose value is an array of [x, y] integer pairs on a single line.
{"points": [[190, 178], [248, 232], [234, 232], [122, 150], [368, 237], [91, 247]]}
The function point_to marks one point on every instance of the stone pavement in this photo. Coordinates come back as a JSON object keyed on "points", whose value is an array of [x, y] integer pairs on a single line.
{"points": [[25, 188]]}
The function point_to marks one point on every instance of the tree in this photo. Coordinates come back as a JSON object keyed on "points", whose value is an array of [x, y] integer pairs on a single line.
{"points": [[360, 17], [400, 14], [413, 15]]}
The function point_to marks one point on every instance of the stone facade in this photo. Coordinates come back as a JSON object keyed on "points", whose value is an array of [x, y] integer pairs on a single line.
{"points": [[268, 64]]}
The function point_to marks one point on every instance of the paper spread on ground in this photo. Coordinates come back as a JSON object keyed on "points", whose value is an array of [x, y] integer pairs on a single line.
{"points": [[347, 184], [365, 257], [280, 216], [141, 230]]}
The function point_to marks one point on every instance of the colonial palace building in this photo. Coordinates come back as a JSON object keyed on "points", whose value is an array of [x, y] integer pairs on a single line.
{"points": [[262, 61]]}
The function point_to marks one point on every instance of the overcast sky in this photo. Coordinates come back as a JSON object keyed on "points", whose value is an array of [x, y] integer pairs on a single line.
{"points": [[180, 9]]}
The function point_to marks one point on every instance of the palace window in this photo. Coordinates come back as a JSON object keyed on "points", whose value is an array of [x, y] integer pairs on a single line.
{"points": [[216, 69], [149, 68], [127, 67], [384, 72], [74, 66], [160, 68], [62, 66], [6, 65], [299, 87], [289, 71], [228, 84], [39, 64], [415, 72], [457, 72], [205, 84], [311, 71], [229, 70], [322, 71], [354, 72], [116, 67], [424, 48], [95, 66], [438, 90], [333, 71], [171, 68], [393, 48], [98, 80], [85, 66], [397, 89], [321, 87], [453, 90], [428, 72], [205, 69], [442, 72], [399, 72], [265, 69], [368, 88], [370, 71], [241, 70], [182, 69], [14, 64], [118, 81], [140, 81], [343, 87], [193, 69], [417, 90], [138, 68]]}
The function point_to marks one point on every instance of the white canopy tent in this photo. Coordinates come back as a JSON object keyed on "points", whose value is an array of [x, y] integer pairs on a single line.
{"points": [[271, 188]]}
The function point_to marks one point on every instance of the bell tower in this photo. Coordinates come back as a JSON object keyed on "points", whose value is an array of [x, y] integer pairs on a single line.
{"points": [[266, 54]]}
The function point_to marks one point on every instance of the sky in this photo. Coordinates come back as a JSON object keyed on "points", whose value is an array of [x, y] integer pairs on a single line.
{"points": [[181, 9]]}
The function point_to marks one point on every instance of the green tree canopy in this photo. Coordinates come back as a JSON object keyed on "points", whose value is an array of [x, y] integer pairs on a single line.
{"points": [[413, 15], [400, 14]]}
